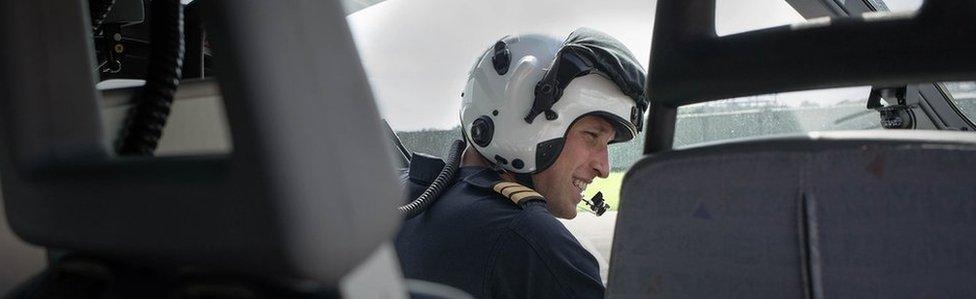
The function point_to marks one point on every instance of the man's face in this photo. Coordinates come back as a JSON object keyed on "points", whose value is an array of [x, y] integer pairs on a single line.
{"points": [[584, 157]]}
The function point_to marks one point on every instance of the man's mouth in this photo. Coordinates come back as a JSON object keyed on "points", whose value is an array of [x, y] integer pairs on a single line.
{"points": [[580, 184]]}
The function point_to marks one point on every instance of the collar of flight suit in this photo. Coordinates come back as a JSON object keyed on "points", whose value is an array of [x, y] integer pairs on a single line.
{"points": [[489, 179]]}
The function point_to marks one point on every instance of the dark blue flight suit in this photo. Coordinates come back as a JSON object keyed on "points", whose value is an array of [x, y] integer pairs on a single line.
{"points": [[479, 241]]}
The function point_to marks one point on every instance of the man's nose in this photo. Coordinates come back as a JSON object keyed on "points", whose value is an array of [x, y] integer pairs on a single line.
{"points": [[601, 163]]}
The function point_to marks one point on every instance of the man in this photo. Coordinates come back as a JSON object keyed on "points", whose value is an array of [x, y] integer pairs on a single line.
{"points": [[538, 114]]}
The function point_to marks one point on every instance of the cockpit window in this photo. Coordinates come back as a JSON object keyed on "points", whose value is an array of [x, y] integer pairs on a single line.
{"points": [[901, 5], [736, 16], [773, 114], [352, 6], [963, 96]]}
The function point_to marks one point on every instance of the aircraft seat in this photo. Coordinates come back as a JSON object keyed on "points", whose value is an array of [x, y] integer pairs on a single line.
{"points": [[839, 215]]}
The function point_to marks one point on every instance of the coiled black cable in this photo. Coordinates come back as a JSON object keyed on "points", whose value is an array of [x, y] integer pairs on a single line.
{"points": [[144, 123], [433, 191]]}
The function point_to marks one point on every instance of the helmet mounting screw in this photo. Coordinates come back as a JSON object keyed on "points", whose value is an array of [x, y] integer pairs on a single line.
{"points": [[546, 88], [518, 164], [551, 115]]}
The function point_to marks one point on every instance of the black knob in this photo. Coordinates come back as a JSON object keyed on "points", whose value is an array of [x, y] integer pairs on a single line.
{"points": [[482, 131], [501, 58]]}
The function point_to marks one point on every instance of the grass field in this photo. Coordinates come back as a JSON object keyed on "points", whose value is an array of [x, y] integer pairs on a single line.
{"points": [[610, 187]]}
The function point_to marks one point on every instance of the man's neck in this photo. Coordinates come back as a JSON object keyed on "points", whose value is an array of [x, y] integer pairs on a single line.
{"points": [[471, 157]]}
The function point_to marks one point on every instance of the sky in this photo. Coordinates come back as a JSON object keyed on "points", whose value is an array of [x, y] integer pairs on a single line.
{"points": [[417, 52]]}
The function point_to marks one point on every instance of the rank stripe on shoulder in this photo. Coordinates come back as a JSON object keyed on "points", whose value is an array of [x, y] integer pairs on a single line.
{"points": [[514, 189], [502, 185], [519, 197], [516, 192]]}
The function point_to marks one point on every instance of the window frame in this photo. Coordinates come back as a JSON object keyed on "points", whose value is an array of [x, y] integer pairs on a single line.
{"points": [[931, 100], [836, 60], [951, 104]]}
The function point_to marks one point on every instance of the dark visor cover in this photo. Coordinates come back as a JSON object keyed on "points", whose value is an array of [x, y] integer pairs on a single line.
{"points": [[588, 51]]}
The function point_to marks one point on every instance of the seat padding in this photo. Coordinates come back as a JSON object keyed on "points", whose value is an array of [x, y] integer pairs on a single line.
{"points": [[20, 260], [843, 214]]}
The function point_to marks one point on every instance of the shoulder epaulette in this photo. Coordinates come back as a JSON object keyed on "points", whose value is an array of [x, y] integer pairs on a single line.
{"points": [[516, 192]]}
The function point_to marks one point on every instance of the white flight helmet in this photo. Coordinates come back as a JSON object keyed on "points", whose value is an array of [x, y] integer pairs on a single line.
{"points": [[526, 91]]}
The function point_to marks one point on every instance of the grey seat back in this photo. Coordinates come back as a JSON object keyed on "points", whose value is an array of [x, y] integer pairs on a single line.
{"points": [[20, 260], [306, 193], [845, 214]]}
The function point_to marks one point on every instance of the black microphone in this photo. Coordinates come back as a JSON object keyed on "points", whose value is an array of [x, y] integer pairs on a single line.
{"points": [[597, 205]]}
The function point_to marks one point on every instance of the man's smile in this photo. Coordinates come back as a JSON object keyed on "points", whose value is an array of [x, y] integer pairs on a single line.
{"points": [[581, 184]]}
